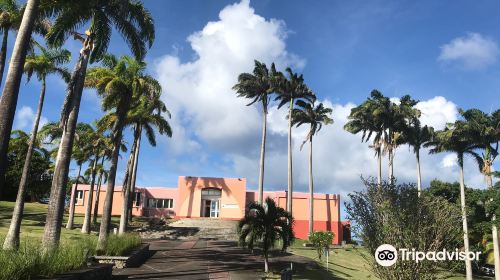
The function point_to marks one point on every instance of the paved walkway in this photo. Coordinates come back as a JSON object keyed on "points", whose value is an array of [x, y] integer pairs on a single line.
{"points": [[198, 259]]}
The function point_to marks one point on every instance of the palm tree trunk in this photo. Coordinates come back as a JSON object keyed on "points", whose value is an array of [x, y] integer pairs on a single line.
{"points": [[126, 188], [311, 188], [68, 121], [379, 165], [108, 202], [468, 267], [8, 101], [88, 206], [494, 234], [3, 52], [262, 156], [391, 165], [266, 262], [97, 192], [290, 177], [12, 238], [134, 173], [72, 202], [419, 175]]}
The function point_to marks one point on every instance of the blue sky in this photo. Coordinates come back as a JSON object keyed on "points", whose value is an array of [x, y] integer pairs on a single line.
{"points": [[442, 53]]}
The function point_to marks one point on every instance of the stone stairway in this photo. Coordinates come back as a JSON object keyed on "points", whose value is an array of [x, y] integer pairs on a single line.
{"points": [[199, 228]]}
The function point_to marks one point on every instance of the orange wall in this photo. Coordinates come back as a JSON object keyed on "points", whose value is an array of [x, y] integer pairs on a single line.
{"points": [[232, 198]]}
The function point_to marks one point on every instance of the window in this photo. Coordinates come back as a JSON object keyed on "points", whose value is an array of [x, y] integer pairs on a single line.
{"points": [[160, 203], [216, 192], [79, 195], [136, 199]]}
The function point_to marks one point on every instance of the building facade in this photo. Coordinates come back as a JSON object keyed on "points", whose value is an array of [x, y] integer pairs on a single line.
{"points": [[220, 198]]}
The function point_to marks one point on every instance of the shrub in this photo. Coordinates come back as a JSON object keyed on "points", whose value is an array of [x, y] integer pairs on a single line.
{"points": [[321, 241], [29, 261], [121, 245], [396, 215]]}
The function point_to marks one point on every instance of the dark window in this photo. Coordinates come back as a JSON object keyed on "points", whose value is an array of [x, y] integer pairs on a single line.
{"points": [[216, 192], [160, 203], [137, 199], [79, 195]]}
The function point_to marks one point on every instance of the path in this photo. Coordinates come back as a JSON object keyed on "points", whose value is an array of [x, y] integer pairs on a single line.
{"points": [[205, 259]]}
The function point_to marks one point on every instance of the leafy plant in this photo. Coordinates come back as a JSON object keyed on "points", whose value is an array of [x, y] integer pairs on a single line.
{"points": [[321, 241], [396, 215]]}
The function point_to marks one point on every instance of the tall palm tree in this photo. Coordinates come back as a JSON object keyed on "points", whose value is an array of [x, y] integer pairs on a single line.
{"points": [[316, 117], [8, 101], [98, 142], [11, 15], [486, 134], [43, 64], [148, 115], [290, 90], [456, 138], [103, 178], [266, 223], [361, 120], [121, 83], [258, 87], [136, 26], [392, 119], [82, 152], [416, 136]]}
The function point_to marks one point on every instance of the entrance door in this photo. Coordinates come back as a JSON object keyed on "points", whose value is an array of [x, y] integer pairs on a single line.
{"points": [[214, 208]]}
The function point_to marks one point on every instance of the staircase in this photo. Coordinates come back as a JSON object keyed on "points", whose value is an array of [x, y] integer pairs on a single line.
{"points": [[202, 228]]}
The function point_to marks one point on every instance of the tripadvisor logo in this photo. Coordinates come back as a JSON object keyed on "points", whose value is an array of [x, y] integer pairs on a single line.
{"points": [[387, 255]]}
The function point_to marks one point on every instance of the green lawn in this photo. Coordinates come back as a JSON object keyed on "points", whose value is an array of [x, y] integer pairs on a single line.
{"points": [[34, 221], [352, 264]]}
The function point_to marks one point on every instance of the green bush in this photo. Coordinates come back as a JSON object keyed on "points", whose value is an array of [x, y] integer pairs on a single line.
{"points": [[321, 241], [121, 245], [29, 261]]}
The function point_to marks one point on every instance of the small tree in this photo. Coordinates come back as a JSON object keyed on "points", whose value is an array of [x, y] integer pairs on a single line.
{"points": [[265, 224], [321, 241], [396, 215]]}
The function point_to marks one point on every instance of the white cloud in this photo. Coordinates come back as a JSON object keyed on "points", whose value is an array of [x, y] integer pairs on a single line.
{"points": [[449, 160], [199, 92], [437, 111], [25, 117], [473, 51]]}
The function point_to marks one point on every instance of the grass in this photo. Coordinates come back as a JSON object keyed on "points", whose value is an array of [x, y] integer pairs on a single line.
{"points": [[351, 263], [75, 247]]}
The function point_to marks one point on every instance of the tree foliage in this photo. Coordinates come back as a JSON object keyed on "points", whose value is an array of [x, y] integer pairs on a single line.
{"points": [[395, 214]]}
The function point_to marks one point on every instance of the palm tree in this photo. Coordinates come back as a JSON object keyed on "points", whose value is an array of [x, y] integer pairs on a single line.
{"points": [[48, 62], [456, 138], [486, 134], [316, 117], [103, 178], [121, 83], [81, 154], [98, 143], [8, 101], [290, 90], [361, 120], [136, 26], [266, 223], [258, 87], [416, 136], [11, 15], [148, 115]]}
